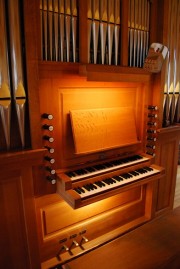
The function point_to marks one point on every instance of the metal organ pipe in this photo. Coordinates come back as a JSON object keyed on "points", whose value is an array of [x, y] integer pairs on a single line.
{"points": [[5, 93]]}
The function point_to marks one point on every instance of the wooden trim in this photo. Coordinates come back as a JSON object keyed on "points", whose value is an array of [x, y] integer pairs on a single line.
{"points": [[31, 11], [21, 158], [124, 33], [83, 32]]}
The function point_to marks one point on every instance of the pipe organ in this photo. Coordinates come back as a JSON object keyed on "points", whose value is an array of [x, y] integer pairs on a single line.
{"points": [[95, 118]]}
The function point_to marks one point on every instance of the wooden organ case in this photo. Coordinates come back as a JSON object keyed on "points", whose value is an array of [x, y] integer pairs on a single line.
{"points": [[104, 178]]}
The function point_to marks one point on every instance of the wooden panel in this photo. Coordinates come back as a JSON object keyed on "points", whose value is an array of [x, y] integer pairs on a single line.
{"points": [[19, 245], [101, 129], [101, 221], [12, 226], [167, 156], [165, 184], [53, 223]]}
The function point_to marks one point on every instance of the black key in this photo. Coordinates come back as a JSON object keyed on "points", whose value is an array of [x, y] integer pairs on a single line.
{"points": [[87, 187], [148, 168], [141, 171], [118, 178], [126, 176], [134, 173], [108, 165], [79, 190], [99, 167], [137, 157], [99, 184], [90, 169], [80, 172], [107, 181], [92, 186], [70, 174], [112, 180], [117, 162]]}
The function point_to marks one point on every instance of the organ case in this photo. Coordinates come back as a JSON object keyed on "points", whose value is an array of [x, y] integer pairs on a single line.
{"points": [[103, 216]]}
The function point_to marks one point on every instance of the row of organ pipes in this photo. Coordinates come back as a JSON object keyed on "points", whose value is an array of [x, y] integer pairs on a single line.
{"points": [[59, 31], [12, 85], [138, 24], [172, 69]]}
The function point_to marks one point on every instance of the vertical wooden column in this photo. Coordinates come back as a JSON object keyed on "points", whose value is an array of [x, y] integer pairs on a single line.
{"points": [[83, 32], [124, 32], [32, 47]]}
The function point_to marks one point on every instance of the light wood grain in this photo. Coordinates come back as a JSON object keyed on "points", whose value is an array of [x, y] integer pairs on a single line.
{"points": [[99, 129]]}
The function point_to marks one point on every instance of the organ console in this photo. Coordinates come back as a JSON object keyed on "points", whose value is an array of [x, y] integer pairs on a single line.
{"points": [[103, 176]]}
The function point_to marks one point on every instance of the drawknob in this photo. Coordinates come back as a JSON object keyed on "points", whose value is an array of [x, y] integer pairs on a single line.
{"points": [[51, 150], [51, 179], [48, 138], [47, 116], [47, 127], [50, 170]]}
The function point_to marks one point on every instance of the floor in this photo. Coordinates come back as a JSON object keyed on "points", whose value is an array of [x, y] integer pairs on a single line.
{"points": [[177, 191]]}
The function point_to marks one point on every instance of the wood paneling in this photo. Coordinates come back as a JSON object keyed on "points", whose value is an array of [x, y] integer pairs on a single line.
{"points": [[12, 227], [167, 156], [18, 245], [101, 221]]}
